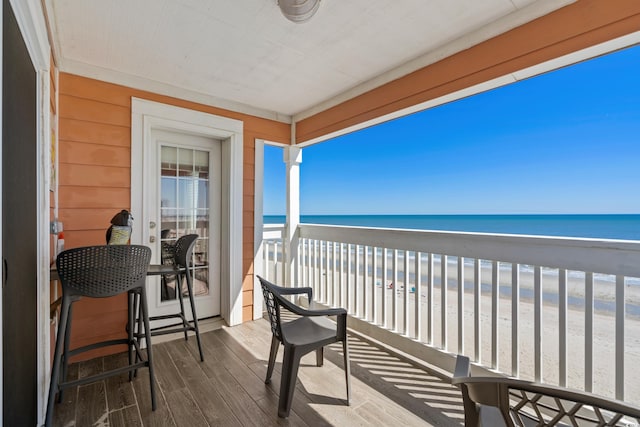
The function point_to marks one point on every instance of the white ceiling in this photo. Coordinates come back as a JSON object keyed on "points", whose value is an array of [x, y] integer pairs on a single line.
{"points": [[243, 54]]}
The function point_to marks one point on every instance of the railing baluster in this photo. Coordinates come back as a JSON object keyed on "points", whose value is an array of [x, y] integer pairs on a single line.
{"points": [[495, 300], [357, 281], [349, 280], [477, 294], [562, 333], [298, 273], [316, 287], [327, 276], [301, 263], [406, 293], [588, 332], [385, 278], [374, 290], [341, 279], [321, 271], [461, 305], [308, 263], [330, 272], [365, 276], [334, 282], [515, 319], [394, 293], [430, 280], [537, 323], [356, 273], [276, 247], [417, 296], [265, 259], [620, 317], [444, 277]]}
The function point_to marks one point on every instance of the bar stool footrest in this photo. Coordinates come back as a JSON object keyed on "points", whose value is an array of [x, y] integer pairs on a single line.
{"points": [[103, 375]]}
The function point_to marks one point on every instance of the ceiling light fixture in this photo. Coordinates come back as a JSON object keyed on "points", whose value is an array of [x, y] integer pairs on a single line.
{"points": [[298, 11]]}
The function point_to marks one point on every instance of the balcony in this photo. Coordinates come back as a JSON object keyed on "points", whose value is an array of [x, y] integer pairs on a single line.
{"points": [[560, 311], [553, 310], [94, 80]]}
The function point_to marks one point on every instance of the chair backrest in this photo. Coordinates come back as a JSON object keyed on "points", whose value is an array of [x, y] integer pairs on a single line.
{"points": [[184, 249], [502, 401], [273, 308], [103, 271]]}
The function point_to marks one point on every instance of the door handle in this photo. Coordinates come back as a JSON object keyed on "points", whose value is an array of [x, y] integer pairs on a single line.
{"points": [[5, 272], [152, 239]]}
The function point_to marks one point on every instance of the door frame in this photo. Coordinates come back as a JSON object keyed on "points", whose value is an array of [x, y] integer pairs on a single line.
{"points": [[31, 20], [147, 115]]}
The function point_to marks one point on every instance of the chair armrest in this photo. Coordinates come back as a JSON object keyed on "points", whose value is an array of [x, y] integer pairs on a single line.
{"points": [[294, 291], [462, 371], [301, 311]]}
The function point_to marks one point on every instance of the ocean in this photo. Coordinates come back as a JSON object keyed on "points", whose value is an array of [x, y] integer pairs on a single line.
{"points": [[601, 226]]}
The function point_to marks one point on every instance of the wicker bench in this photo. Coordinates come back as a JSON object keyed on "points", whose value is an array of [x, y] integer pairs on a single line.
{"points": [[502, 401]]}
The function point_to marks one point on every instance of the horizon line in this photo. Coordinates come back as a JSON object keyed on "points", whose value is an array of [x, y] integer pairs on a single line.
{"points": [[457, 214]]}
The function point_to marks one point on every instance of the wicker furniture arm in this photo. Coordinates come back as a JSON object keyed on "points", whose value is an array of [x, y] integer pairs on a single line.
{"points": [[502, 401]]}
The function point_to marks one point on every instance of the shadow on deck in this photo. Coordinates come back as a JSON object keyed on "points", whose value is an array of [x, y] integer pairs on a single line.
{"points": [[228, 388]]}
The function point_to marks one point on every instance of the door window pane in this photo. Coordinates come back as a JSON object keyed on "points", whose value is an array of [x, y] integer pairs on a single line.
{"points": [[184, 209]]}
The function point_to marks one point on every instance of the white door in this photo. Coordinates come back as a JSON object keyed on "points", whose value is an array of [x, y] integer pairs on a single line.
{"points": [[183, 193]]}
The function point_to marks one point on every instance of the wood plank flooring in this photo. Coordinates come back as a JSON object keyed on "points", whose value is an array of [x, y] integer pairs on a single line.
{"points": [[228, 389]]}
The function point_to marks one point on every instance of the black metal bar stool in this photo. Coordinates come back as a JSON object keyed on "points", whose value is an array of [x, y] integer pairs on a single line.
{"points": [[181, 267], [101, 272]]}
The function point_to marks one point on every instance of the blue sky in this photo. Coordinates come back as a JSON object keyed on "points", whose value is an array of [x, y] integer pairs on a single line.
{"points": [[564, 142]]}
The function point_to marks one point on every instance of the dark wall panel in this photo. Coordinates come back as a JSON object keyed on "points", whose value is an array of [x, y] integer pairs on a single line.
{"points": [[19, 213]]}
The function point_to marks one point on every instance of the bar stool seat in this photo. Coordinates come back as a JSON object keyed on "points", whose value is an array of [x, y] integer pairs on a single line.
{"points": [[101, 272], [181, 267]]}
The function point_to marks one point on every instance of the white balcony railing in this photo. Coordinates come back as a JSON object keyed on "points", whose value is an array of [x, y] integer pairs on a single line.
{"points": [[562, 311], [272, 253]]}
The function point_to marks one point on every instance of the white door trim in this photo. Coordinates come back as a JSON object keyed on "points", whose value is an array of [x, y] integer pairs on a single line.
{"points": [[147, 115], [258, 223]]}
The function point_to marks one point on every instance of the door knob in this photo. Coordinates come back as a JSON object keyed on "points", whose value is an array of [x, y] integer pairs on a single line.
{"points": [[152, 224]]}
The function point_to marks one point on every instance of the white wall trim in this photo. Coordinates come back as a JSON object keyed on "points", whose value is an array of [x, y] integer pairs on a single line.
{"points": [[544, 67], [148, 115], [44, 256], [30, 17]]}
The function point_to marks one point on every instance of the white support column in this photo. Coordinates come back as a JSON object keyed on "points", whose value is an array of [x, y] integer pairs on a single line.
{"points": [[292, 158]]}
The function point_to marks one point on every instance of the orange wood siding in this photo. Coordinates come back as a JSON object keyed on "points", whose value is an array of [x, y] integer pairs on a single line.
{"points": [[574, 27], [95, 182]]}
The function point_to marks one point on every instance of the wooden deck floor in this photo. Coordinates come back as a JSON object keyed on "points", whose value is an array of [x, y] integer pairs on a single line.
{"points": [[228, 389]]}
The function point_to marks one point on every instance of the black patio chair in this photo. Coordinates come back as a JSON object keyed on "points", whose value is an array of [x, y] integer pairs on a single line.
{"points": [[311, 331], [101, 272]]}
